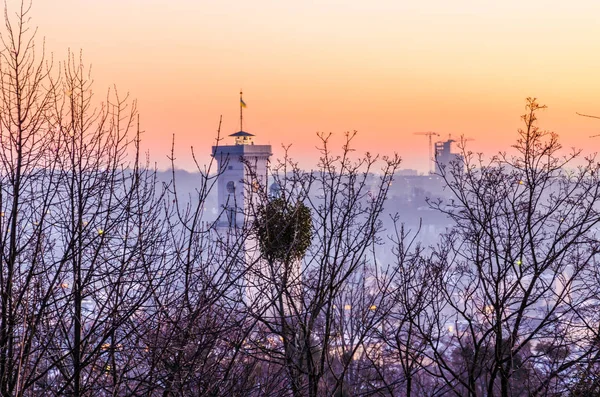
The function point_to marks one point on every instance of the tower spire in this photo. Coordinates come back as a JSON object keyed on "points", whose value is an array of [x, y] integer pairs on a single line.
{"points": [[242, 106], [242, 137]]}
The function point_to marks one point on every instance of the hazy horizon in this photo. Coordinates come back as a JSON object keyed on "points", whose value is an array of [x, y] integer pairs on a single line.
{"points": [[386, 69]]}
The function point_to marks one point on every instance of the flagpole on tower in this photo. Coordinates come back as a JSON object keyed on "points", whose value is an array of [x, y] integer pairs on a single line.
{"points": [[241, 110]]}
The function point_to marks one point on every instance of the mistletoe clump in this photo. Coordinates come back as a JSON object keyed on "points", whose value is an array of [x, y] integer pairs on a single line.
{"points": [[284, 230]]}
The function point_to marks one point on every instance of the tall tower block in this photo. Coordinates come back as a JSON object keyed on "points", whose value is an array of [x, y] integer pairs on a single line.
{"points": [[445, 155], [242, 169]]}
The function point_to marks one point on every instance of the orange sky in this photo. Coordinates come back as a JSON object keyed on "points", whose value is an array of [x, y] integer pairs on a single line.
{"points": [[386, 68]]}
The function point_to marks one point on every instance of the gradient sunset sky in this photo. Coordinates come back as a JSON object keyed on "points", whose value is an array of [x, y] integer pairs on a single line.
{"points": [[384, 68]]}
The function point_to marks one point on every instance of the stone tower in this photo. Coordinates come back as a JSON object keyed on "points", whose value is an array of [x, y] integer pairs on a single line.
{"points": [[241, 186], [242, 169]]}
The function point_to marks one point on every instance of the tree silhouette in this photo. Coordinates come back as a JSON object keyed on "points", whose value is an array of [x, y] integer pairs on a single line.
{"points": [[518, 268]]}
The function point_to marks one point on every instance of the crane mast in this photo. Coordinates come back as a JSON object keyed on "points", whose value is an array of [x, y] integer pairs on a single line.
{"points": [[430, 134]]}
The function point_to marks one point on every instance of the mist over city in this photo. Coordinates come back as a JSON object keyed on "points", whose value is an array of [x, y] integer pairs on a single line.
{"points": [[299, 198]]}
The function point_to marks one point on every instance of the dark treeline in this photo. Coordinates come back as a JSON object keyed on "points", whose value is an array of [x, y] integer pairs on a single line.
{"points": [[113, 284]]}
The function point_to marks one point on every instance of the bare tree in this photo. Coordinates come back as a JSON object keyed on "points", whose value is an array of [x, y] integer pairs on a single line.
{"points": [[112, 283], [27, 188], [303, 320], [518, 269], [106, 212], [409, 306], [80, 234], [196, 336]]}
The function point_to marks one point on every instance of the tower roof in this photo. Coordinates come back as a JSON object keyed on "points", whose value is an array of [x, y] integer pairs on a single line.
{"points": [[241, 134]]}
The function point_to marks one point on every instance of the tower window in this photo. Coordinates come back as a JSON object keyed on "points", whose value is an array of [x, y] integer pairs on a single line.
{"points": [[230, 187]]}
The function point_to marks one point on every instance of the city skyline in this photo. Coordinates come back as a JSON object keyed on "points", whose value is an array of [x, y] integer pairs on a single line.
{"points": [[387, 70], [274, 273]]}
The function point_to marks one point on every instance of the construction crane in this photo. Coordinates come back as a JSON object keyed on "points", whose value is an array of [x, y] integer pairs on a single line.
{"points": [[429, 134]]}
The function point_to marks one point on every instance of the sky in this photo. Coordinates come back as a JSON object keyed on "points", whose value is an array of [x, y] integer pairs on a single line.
{"points": [[384, 68]]}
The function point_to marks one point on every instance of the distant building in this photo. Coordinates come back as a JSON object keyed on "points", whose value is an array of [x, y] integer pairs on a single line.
{"points": [[242, 186], [444, 155], [242, 170], [407, 172]]}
